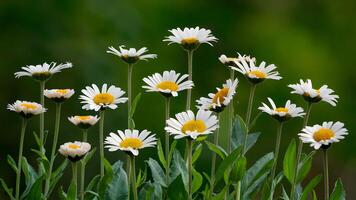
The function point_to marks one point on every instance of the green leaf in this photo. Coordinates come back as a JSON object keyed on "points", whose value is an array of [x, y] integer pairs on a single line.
{"points": [[72, 191], [7, 189], [106, 179], [197, 152], [239, 130], [12, 163], [35, 191], [221, 194], [179, 165], [338, 192], [310, 187], [171, 151], [217, 149], [89, 156], [61, 194], [239, 169], [258, 169], [314, 195], [289, 161], [226, 163], [151, 191], [89, 194], [157, 172], [118, 187], [57, 174], [161, 154], [30, 176], [176, 190], [197, 180], [304, 166], [255, 185], [284, 194], [134, 104]]}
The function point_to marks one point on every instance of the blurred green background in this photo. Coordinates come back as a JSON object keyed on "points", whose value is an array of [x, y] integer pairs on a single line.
{"points": [[305, 39]]}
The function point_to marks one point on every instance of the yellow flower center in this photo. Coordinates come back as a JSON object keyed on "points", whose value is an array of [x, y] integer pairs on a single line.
{"points": [[134, 143], [281, 109], [73, 146], [323, 134], [190, 40], [194, 125], [29, 106], [308, 95], [83, 117], [168, 85], [220, 95], [62, 91], [104, 98], [257, 74]]}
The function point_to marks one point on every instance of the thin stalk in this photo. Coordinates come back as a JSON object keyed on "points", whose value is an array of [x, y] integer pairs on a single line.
{"points": [[101, 142], [326, 175], [82, 171], [238, 190], [190, 168], [167, 138], [19, 161], [248, 115], [42, 101], [129, 94], [276, 151], [54, 147], [213, 162], [231, 116], [299, 153], [190, 73], [74, 176], [133, 171]]}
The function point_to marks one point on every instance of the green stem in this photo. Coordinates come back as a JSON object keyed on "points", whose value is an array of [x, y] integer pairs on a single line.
{"points": [[19, 161], [326, 175], [128, 172], [190, 168], [248, 116], [42, 101], [167, 111], [54, 147], [190, 73], [213, 162], [82, 171], [129, 95], [299, 153], [231, 116], [101, 142], [238, 190], [133, 170], [276, 151], [74, 176]]}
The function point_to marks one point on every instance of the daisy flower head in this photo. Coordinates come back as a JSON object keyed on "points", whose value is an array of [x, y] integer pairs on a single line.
{"points": [[130, 141], [168, 84], [26, 109], [131, 55], [218, 101], [58, 95], [42, 72], [284, 113], [74, 151], [94, 99], [231, 61], [256, 74], [84, 122], [190, 38], [187, 124], [323, 135], [314, 95]]}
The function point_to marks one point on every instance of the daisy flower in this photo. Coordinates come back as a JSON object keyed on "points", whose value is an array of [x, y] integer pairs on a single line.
{"points": [[130, 140], [26, 109], [42, 72], [190, 38], [290, 110], [219, 100], [323, 135], [186, 124], [58, 95], [314, 95], [168, 84], [256, 74], [94, 99], [131, 55], [84, 122], [74, 151], [231, 61]]}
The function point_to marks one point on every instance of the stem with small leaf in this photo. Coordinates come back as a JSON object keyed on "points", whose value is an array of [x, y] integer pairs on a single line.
{"points": [[276, 151], [213, 162], [248, 116], [190, 168], [82, 171], [101, 142], [19, 161], [167, 111], [326, 175]]}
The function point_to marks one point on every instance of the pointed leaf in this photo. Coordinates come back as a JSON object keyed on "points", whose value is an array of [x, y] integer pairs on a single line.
{"points": [[134, 104], [197, 152], [338, 192], [226, 163], [157, 172], [161, 154], [310, 187], [197, 181], [12, 163], [290, 161], [7, 189], [216, 149], [35, 192]]}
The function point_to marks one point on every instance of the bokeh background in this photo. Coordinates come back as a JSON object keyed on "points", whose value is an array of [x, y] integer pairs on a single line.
{"points": [[305, 39]]}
